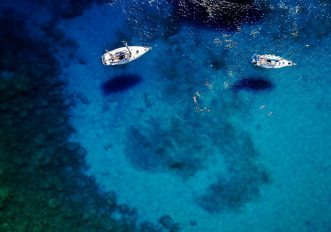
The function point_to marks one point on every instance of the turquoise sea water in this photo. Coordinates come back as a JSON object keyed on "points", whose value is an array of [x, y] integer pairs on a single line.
{"points": [[255, 157]]}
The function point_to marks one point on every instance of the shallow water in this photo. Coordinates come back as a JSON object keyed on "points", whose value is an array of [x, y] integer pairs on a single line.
{"points": [[253, 154]]}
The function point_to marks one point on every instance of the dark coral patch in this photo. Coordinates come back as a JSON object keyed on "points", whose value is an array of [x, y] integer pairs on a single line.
{"points": [[161, 149], [231, 194], [70, 8], [42, 173], [217, 14], [120, 83]]}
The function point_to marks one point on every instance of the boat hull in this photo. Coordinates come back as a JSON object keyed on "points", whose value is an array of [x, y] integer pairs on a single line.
{"points": [[122, 55], [271, 61]]}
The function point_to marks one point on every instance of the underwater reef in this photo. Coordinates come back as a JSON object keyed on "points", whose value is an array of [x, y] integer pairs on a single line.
{"points": [[42, 174], [179, 141], [159, 147], [218, 14], [157, 17], [68, 8], [185, 147], [242, 180], [293, 23], [164, 19]]}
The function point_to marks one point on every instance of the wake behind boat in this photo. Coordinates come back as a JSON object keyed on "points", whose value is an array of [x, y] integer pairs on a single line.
{"points": [[124, 55], [271, 61]]}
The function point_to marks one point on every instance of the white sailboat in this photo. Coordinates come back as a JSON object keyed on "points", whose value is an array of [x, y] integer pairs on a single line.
{"points": [[123, 55], [271, 61]]}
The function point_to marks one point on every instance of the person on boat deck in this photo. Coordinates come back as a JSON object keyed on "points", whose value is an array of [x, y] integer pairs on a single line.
{"points": [[262, 61], [120, 55]]}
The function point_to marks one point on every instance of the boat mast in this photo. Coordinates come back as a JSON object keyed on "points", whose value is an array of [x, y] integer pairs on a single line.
{"points": [[126, 45]]}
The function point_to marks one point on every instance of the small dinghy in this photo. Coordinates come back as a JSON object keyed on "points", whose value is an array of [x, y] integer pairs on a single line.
{"points": [[123, 55], [271, 61]]}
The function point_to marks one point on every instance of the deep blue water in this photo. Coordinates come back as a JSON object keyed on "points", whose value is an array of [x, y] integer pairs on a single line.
{"points": [[252, 154]]}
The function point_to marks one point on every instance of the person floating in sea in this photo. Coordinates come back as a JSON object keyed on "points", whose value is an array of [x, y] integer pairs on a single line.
{"points": [[196, 98]]}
